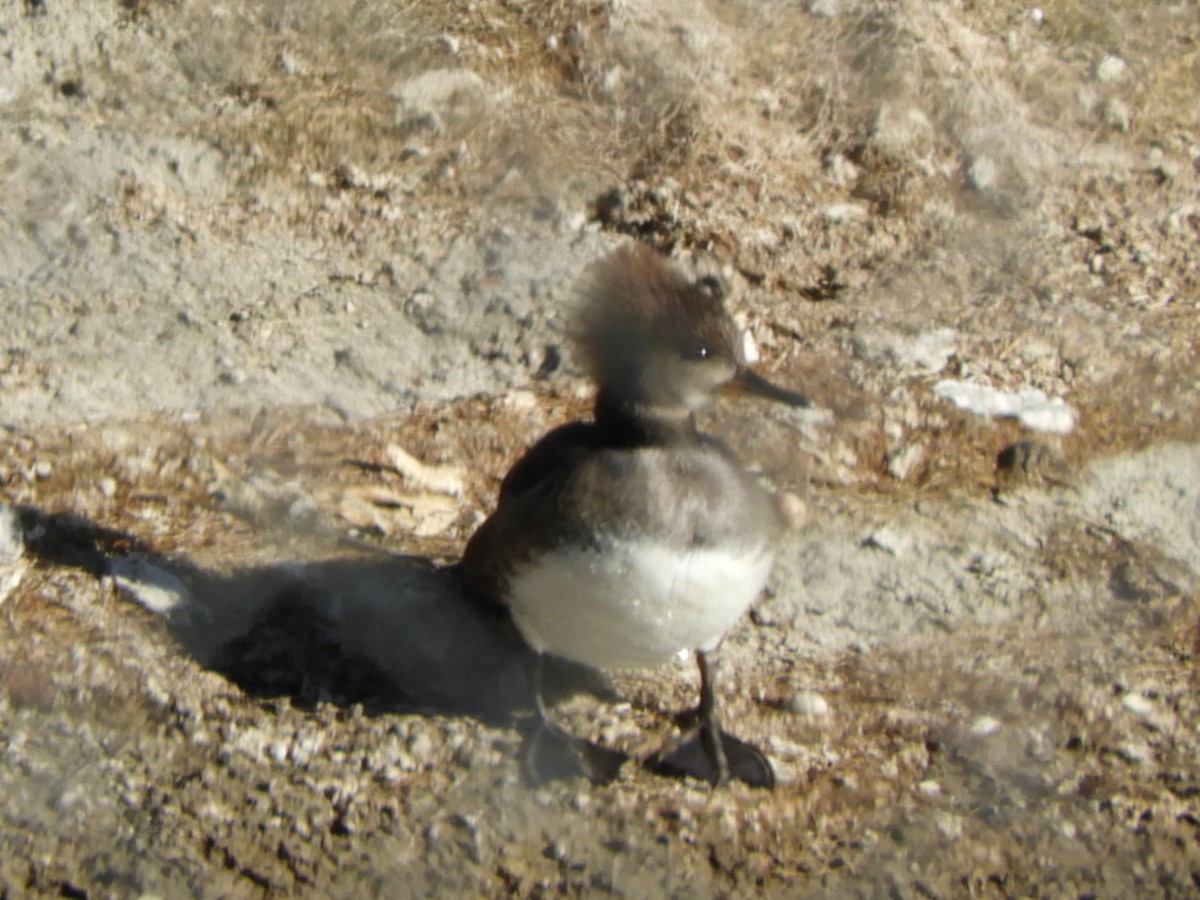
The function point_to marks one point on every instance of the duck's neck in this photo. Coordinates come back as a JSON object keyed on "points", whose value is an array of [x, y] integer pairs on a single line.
{"points": [[628, 423]]}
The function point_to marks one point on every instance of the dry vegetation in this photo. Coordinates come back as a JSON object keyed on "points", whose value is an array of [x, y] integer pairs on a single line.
{"points": [[834, 163], [862, 179]]}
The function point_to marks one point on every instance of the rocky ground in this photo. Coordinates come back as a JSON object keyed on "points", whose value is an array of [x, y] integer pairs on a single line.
{"points": [[284, 290]]}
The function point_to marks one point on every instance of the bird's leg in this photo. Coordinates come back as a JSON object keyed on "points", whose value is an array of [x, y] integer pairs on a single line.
{"points": [[539, 680], [710, 721], [709, 753], [549, 753]]}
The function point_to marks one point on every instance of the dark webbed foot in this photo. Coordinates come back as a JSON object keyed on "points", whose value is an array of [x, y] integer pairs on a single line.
{"points": [[709, 753], [694, 758], [550, 754]]}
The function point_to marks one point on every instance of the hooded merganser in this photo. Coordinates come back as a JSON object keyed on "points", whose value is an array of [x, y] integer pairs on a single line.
{"points": [[622, 542]]}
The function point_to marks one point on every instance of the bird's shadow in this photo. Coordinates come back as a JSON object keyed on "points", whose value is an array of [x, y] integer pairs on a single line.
{"points": [[392, 634]]}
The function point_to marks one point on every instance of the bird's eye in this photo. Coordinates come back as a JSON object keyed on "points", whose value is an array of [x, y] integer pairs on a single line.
{"points": [[697, 351]]}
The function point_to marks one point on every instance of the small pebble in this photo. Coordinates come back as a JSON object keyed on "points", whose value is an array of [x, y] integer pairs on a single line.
{"points": [[1137, 704], [984, 726], [891, 540], [809, 703], [903, 460], [845, 212], [981, 173], [749, 347], [1110, 68]]}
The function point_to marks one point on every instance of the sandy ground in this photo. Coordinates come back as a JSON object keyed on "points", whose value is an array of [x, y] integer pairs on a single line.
{"points": [[283, 291]]}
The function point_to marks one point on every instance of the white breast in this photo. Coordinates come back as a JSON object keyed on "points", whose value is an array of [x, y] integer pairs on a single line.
{"points": [[634, 605]]}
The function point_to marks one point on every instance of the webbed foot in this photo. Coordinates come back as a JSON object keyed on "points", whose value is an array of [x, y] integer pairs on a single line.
{"points": [[550, 754], [696, 757]]}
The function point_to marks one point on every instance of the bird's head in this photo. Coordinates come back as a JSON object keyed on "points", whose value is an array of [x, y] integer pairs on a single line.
{"points": [[660, 342]]}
